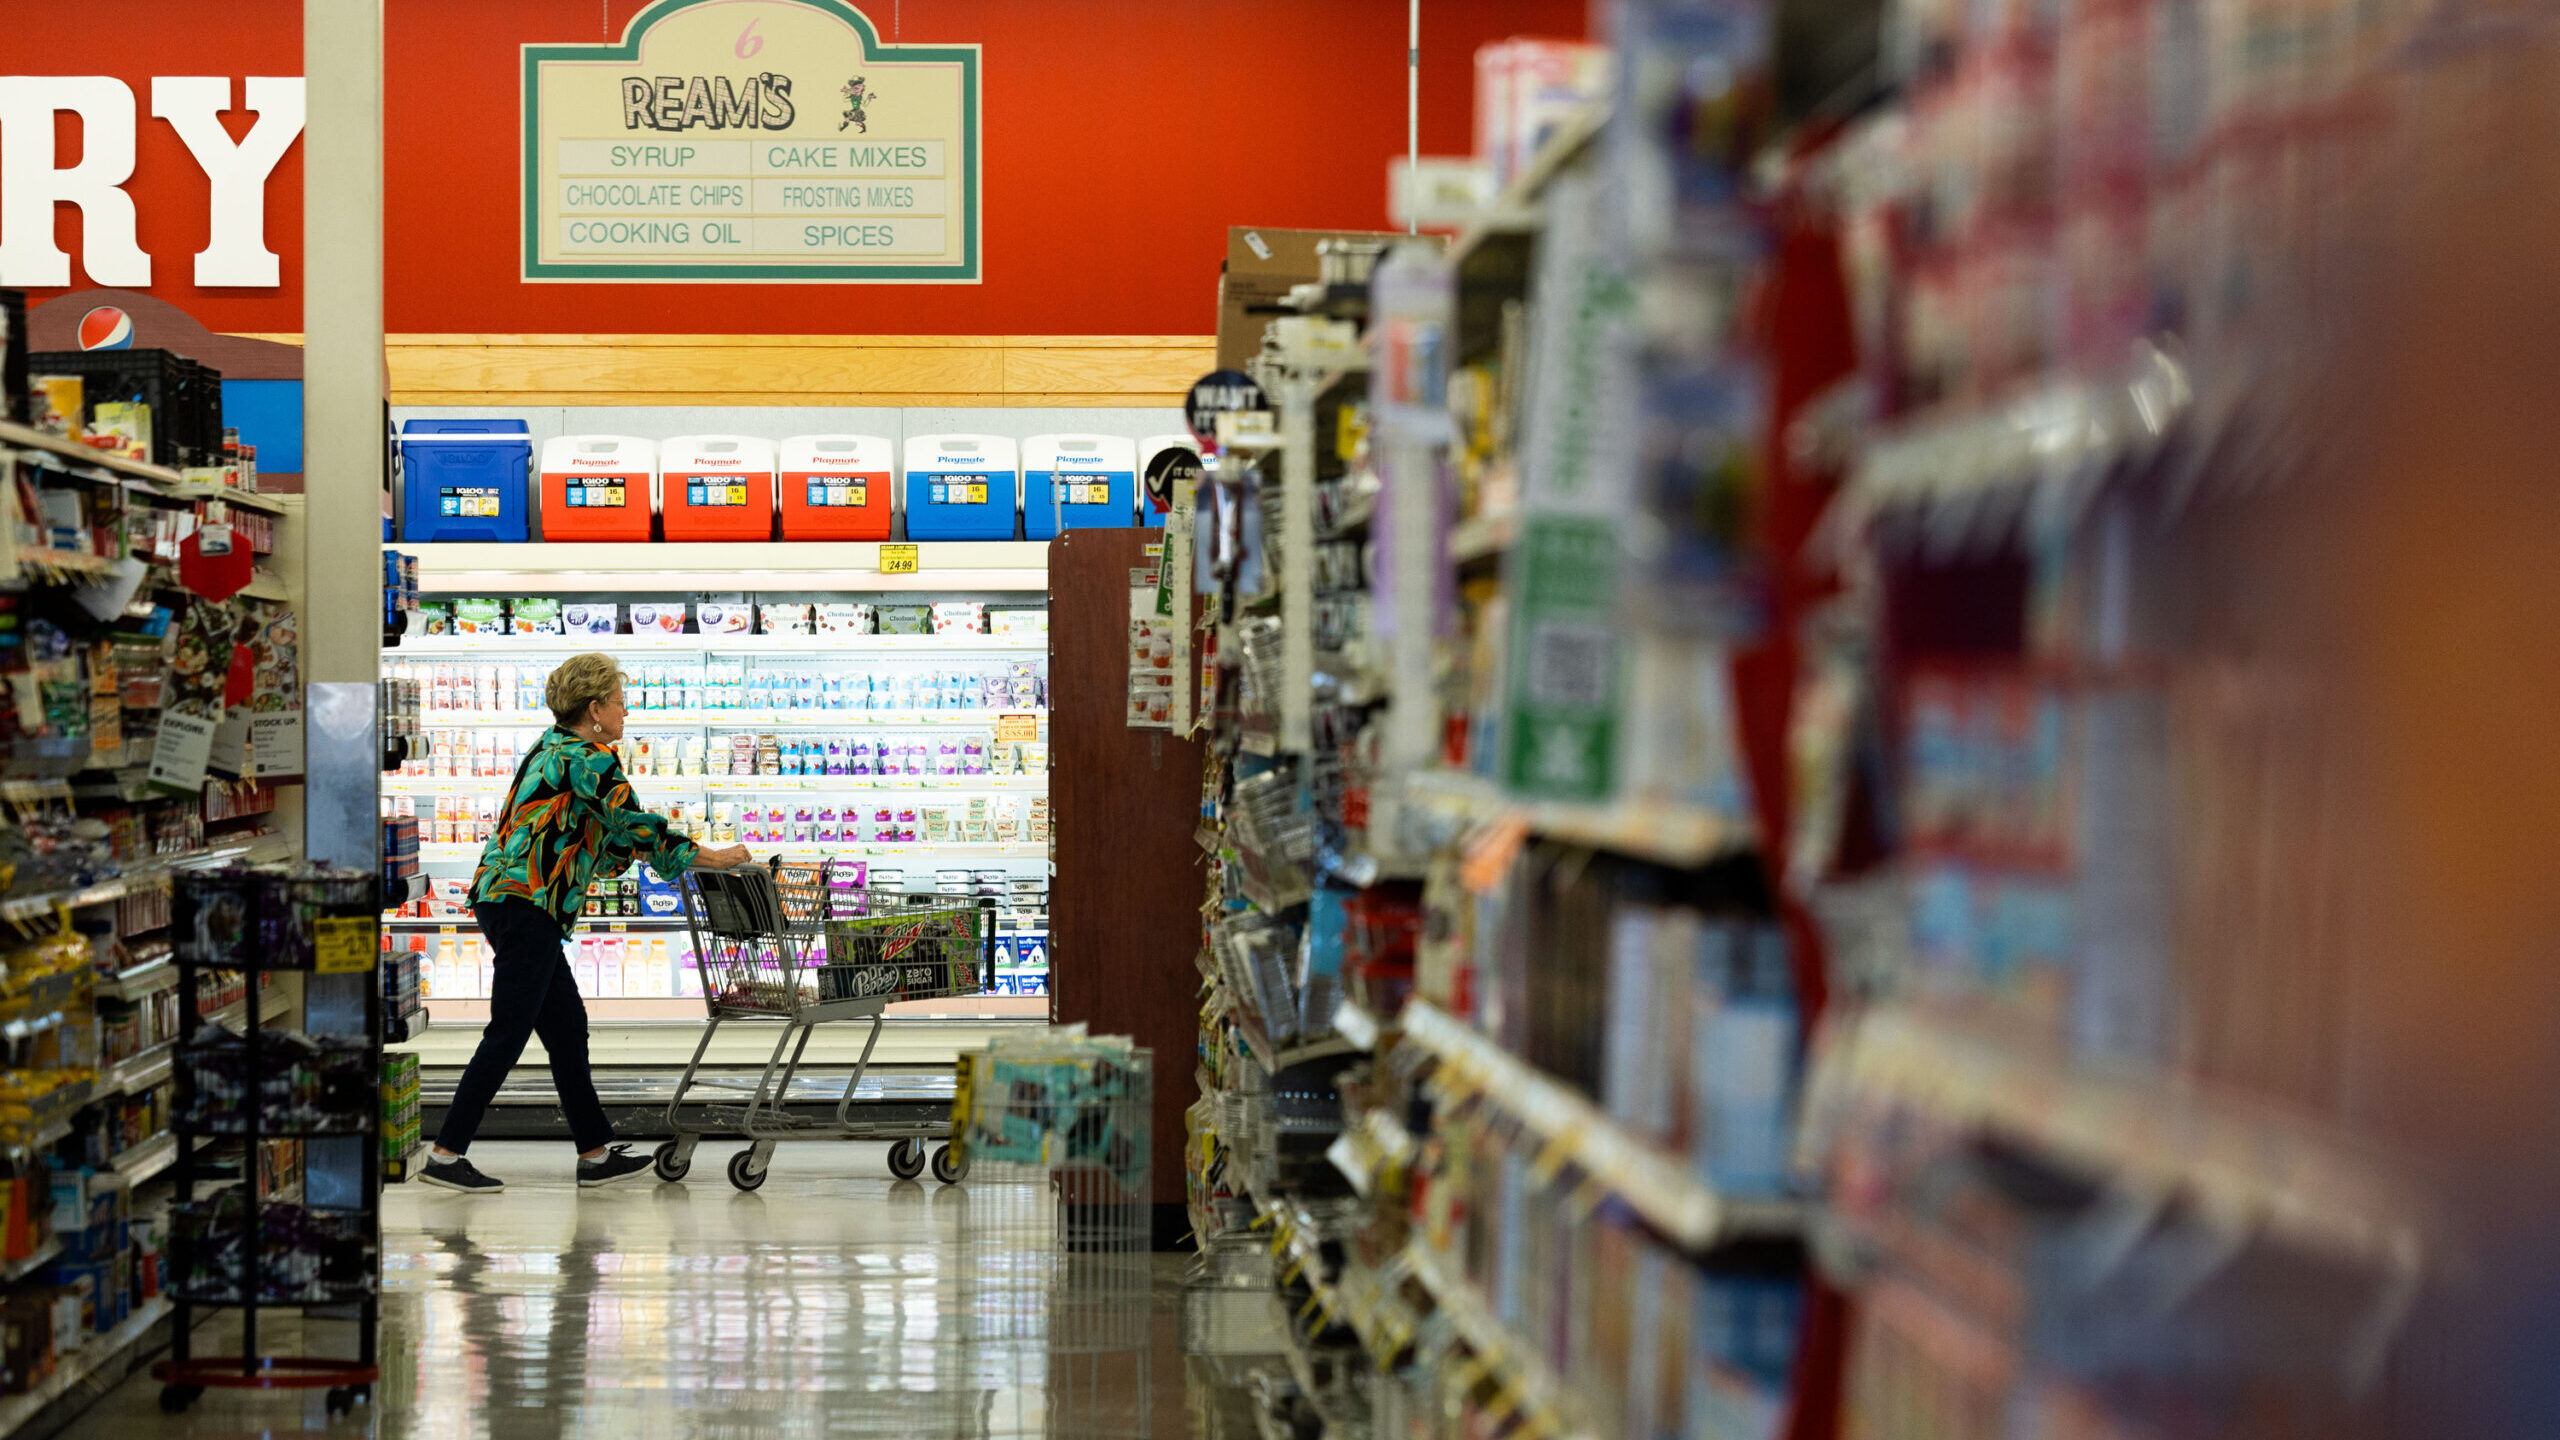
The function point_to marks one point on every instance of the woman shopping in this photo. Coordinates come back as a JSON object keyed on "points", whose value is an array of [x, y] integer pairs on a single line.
{"points": [[569, 818]]}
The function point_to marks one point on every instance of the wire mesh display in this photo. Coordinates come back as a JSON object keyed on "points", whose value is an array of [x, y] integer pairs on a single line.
{"points": [[243, 918], [1274, 838], [1054, 1133]]}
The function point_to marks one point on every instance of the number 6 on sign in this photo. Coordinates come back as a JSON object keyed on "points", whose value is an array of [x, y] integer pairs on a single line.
{"points": [[749, 42]]}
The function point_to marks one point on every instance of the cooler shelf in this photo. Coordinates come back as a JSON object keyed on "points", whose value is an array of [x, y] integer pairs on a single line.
{"points": [[851, 566]]}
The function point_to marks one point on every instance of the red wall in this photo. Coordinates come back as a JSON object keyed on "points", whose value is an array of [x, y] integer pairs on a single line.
{"points": [[1122, 137], [134, 40]]}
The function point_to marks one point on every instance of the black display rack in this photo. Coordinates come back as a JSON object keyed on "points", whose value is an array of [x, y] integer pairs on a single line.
{"points": [[323, 922]]}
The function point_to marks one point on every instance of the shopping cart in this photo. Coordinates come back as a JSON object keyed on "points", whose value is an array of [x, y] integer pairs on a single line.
{"points": [[782, 942]]}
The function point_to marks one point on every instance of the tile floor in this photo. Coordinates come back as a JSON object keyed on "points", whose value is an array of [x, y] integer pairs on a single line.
{"points": [[832, 1302]]}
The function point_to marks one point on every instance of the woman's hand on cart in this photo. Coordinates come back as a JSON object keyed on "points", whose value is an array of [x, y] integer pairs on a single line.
{"points": [[725, 857]]}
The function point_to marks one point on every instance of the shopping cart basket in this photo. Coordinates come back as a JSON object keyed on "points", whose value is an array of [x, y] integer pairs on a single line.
{"points": [[780, 942]]}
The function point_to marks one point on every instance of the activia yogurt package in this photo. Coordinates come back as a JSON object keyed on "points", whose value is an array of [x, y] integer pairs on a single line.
{"points": [[479, 617], [535, 615]]}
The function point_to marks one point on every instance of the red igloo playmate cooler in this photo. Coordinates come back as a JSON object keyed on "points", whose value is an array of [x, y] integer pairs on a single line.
{"points": [[598, 487], [716, 487], [837, 487]]}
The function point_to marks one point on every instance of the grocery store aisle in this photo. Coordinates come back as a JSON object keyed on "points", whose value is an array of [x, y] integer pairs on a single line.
{"points": [[832, 1302]]}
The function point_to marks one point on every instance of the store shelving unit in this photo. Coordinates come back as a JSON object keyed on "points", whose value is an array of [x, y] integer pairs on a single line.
{"points": [[93, 1369], [155, 504], [1426, 1085]]}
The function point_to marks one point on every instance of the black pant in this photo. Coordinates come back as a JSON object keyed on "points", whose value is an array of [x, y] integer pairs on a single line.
{"points": [[532, 993]]}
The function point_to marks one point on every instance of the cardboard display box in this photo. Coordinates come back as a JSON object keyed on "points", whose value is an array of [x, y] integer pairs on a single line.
{"points": [[1263, 263]]}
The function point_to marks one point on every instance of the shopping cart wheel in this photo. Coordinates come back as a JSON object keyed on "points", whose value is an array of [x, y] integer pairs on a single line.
{"points": [[739, 1173], [174, 1399], [671, 1161], [947, 1168], [906, 1159]]}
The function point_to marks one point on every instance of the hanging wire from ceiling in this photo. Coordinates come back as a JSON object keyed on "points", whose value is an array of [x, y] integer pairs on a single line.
{"points": [[1413, 116]]}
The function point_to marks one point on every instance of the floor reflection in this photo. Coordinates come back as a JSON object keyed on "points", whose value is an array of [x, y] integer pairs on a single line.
{"points": [[833, 1302]]}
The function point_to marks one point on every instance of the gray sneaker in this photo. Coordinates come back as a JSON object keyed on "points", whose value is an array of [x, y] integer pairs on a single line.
{"points": [[618, 1164], [458, 1174]]}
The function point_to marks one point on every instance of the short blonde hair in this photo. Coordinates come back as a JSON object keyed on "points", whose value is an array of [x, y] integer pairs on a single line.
{"points": [[581, 681]]}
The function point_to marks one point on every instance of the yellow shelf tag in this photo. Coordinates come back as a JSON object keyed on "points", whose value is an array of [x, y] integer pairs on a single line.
{"points": [[343, 945], [897, 559]]}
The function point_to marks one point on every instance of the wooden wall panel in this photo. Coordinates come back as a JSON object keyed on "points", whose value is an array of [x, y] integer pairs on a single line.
{"points": [[1125, 907], [900, 370]]}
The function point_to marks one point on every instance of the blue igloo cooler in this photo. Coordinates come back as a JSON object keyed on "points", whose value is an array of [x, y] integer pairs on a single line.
{"points": [[962, 487], [466, 480], [1077, 481]]}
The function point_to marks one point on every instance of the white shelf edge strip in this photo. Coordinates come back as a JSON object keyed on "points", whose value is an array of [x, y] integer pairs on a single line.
{"points": [[1686, 1209]]}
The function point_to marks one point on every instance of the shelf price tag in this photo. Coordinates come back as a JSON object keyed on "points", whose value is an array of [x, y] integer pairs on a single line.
{"points": [[1017, 729], [897, 559], [343, 945]]}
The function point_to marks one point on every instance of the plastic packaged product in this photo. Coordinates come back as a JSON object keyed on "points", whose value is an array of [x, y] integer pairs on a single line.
{"points": [[973, 756], [918, 758], [957, 690], [946, 758], [905, 619], [844, 619], [536, 615], [1025, 679], [1035, 757], [1004, 819], [435, 617], [724, 619], [959, 617], [1016, 622], [784, 619], [479, 617], [590, 619], [657, 619], [835, 755]]}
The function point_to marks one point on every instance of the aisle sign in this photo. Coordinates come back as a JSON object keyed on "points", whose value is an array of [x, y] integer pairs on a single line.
{"points": [[737, 140], [897, 560]]}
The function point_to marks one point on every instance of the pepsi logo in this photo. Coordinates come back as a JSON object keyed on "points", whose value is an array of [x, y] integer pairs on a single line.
{"points": [[106, 328]]}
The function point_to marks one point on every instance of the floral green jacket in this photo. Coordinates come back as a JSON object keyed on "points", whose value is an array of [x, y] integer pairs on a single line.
{"points": [[569, 818]]}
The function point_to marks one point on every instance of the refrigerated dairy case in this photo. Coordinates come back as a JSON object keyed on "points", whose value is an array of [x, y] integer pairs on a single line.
{"points": [[900, 734]]}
